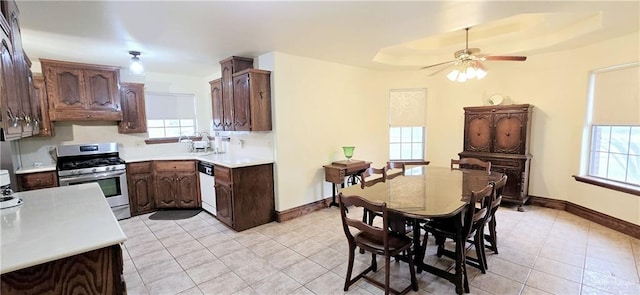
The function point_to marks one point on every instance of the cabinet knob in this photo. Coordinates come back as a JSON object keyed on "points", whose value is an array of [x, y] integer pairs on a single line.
{"points": [[88, 116]]}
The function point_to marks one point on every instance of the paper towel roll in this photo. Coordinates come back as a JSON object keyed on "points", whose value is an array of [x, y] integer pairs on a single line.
{"points": [[216, 144]]}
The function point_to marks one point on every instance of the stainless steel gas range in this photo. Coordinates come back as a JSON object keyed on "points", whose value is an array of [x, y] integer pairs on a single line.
{"points": [[100, 163]]}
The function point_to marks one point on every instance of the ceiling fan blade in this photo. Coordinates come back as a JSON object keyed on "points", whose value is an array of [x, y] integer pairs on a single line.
{"points": [[503, 57], [440, 70], [439, 64]]}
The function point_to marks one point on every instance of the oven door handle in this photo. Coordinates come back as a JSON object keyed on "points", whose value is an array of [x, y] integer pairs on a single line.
{"points": [[96, 176]]}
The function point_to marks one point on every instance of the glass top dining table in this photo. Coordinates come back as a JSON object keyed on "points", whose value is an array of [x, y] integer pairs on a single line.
{"points": [[426, 192], [423, 193]]}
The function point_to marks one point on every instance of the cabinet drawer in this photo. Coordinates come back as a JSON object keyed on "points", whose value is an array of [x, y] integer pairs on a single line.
{"points": [[38, 180], [504, 163], [186, 166], [141, 167], [222, 174]]}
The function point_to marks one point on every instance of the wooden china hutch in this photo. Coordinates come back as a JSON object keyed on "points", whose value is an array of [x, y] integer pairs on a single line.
{"points": [[500, 134]]}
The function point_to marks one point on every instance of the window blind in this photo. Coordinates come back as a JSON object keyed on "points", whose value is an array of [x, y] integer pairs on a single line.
{"points": [[616, 96], [163, 106], [407, 107]]}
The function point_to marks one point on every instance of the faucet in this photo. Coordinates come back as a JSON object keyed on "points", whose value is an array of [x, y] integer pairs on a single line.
{"points": [[185, 138]]}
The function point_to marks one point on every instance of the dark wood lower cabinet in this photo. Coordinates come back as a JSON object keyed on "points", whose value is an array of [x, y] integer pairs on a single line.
{"points": [[244, 195], [37, 180], [94, 272], [176, 184], [140, 186]]}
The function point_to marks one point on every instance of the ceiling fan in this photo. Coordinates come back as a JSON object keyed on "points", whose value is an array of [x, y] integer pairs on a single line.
{"points": [[469, 58]]}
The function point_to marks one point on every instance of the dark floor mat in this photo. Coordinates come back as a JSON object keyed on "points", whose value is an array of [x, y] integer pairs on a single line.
{"points": [[174, 214]]}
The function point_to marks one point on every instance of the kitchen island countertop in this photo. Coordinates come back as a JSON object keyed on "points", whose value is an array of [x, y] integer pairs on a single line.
{"points": [[56, 223]]}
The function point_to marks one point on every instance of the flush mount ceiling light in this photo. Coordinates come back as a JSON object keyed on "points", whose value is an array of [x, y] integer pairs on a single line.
{"points": [[135, 65], [468, 63]]}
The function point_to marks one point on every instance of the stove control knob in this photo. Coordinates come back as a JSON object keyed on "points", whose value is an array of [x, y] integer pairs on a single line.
{"points": [[94, 170]]}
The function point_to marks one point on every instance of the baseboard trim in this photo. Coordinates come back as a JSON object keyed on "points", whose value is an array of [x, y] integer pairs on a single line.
{"points": [[586, 213], [282, 216], [589, 214]]}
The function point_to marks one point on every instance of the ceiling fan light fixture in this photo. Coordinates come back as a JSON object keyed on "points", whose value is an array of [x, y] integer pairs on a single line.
{"points": [[480, 73], [453, 75], [135, 64]]}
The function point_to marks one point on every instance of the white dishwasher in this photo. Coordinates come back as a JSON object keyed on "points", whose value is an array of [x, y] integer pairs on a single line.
{"points": [[207, 189]]}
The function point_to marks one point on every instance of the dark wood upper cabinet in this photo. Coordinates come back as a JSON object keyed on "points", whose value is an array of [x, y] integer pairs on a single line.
{"points": [[134, 119], [252, 100], [11, 125], [78, 91], [230, 66], [217, 107], [15, 106], [501, 134], [40, 107]]}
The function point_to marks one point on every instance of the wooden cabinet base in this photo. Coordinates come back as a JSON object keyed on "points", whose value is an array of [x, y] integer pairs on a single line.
{"points": [[94, 272]]}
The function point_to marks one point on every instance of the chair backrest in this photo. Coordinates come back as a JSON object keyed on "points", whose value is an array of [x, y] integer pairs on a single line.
{"points": [[496, 195], [370, 172], [379, 209], [470, 162], [395, 165], [475, 216]]}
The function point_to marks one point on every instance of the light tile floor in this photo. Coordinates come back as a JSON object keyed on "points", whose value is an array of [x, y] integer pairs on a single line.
{"points": [[542, 251]]}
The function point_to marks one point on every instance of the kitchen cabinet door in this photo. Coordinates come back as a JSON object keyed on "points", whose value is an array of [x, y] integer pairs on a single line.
{"points": [[141, 187], [41, 112], [134, 118], [11, 125], [66, 89], [224, 203], [187, 190], [252, 100], [21, 72], [102, 90], [217, 106], [165, 189], [230, 66]]}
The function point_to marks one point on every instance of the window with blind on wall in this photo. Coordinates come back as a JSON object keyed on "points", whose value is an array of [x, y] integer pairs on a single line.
{"points": [[407, 109], [614, 145], [170, 115]]}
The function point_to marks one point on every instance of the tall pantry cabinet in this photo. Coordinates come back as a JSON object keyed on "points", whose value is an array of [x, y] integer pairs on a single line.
{"points": [[500, 135]]}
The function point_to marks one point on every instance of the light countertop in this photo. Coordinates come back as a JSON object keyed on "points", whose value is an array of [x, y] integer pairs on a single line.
{"points": [[55, 223], [227, 160]]}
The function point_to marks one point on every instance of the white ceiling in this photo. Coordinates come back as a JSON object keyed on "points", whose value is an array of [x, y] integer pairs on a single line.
{"points": [[192, 37]]}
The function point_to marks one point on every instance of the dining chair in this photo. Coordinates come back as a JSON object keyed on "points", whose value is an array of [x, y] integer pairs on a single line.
{"points": [[496, 198], [402, 165], [470, 162], [472, 219], [377, 240], [368, 177]]}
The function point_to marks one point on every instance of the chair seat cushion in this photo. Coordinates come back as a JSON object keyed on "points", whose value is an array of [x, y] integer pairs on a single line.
{"points": [[396, 242]]}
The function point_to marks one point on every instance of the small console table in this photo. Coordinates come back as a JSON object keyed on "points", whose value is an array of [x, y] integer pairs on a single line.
{"points": [[337, 171]]}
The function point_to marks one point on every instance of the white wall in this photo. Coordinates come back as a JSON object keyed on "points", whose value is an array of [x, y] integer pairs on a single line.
{"points": [[322, 106], [318, 108]]}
